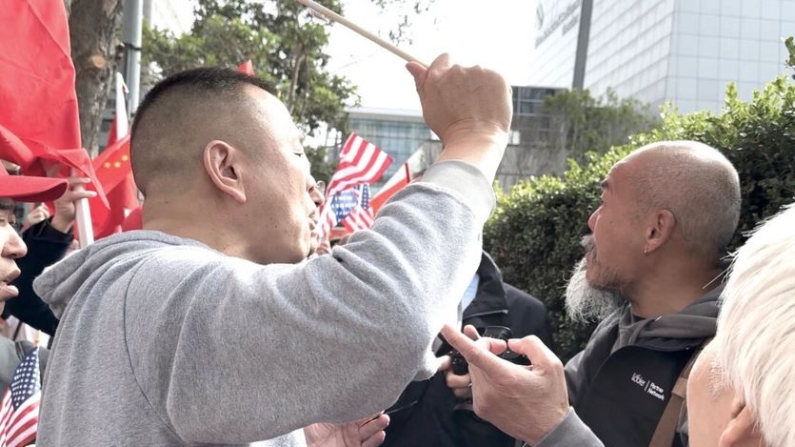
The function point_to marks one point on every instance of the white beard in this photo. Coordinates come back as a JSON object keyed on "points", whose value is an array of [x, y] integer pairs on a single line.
{"points": [[586, 303]]}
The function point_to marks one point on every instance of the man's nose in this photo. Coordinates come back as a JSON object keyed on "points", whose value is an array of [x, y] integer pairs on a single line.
{"points": [[592, 219], [14, 247], [317, 191]]}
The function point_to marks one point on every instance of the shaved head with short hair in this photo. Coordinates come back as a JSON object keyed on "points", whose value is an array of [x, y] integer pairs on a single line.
{"points": [[184, 112], [220, 160], [697, 184]]}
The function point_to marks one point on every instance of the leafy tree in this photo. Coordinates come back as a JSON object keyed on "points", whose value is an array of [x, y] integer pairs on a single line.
{"points": [[285, 45], [580, 123], [94, 27]]}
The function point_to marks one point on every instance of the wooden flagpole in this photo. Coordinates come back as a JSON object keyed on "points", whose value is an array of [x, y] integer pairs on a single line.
{"points": [[334, 17]]}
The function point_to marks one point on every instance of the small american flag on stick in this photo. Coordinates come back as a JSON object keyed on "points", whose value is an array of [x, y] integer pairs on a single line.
{"points": [[19, 414], [360, 163]]}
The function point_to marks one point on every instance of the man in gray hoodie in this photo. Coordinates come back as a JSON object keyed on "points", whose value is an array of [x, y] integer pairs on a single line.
{"points": [[210, 326], [668, 212]]}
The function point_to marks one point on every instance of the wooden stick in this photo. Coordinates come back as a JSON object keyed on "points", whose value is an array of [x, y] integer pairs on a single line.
{"points": [[334, 17]]}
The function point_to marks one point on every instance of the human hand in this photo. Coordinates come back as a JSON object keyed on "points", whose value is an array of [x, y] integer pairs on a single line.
{"points": [[462, 102], [65, 209], [459, 384], [366, 432], [470, 109], [526, 402], [36, 215]]}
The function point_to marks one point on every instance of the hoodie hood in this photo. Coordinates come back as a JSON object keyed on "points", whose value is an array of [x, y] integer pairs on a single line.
{"points": [[60, 282], [670, 332]]}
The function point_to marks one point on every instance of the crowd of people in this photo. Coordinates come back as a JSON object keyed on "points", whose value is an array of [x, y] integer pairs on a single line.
{"points": [[221, 323]]}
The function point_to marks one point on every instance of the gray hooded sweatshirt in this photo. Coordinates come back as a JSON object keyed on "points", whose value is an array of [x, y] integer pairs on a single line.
{"points": [[166, 342]]}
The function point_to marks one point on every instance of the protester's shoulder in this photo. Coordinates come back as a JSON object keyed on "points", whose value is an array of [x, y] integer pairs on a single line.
{"points": [[178, 256]]}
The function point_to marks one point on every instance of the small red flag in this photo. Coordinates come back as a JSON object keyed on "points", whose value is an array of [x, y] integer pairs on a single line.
{"points": [[246, 67], [114, 174], [123, 200], [39, 103]]}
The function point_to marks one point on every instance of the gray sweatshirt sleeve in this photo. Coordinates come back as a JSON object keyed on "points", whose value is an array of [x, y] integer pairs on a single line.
{"points": [[248, 352], [571, 432]]}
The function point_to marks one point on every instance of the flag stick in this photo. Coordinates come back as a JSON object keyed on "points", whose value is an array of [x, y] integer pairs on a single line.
{"points": [[334, 17], [85, 232]]}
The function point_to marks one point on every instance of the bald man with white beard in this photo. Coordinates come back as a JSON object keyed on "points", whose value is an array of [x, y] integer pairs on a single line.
{"points": [[653, 272]]}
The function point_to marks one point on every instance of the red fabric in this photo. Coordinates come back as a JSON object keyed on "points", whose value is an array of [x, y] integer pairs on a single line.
{"points": [[37, 92], [134, 220], [23, 188], [246, 67], [114, 174], [112, 133], [38, 88], [398, 181], [123, 200]]}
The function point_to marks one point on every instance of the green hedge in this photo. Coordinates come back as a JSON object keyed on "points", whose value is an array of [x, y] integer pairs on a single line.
{"points": [[535, 232]]}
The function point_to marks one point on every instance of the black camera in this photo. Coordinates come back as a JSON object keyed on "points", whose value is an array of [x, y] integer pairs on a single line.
{"points": [[463, 411], [459, 364]]}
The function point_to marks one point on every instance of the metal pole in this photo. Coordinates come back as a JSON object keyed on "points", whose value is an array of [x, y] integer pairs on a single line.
{"points": [[132, 36], [583, 37]]}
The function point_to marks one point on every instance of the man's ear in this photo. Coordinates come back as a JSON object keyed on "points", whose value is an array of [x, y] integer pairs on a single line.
{"points": [[742, 430], [659, 231], [222, 163]]}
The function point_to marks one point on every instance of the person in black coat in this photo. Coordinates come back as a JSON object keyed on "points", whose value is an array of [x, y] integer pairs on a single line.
{"points": [[428, 413], [47, 241]]}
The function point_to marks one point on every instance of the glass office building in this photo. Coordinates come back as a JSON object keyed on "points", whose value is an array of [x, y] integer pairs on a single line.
{"points": [[684, 51], [401, 133]]}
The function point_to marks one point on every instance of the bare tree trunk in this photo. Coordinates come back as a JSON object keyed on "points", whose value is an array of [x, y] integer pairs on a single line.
{"points": [[93, 26]]}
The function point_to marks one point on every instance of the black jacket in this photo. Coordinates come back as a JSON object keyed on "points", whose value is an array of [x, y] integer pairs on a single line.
{"points": [[46, 246], [424, 416], [630, 368]]}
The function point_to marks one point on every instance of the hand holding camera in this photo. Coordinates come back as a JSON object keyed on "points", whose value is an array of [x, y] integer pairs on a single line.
{"points": [[458, 375]]}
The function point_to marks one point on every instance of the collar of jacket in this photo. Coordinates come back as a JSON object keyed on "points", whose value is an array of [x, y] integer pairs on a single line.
{"points": [[490, 297]]}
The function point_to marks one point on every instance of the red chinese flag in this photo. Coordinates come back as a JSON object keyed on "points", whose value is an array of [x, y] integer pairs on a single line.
{"points": [[123, 200], [114, 174], [37, 92], [38, 88]]}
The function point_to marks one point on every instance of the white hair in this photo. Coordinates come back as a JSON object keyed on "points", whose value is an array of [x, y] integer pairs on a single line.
{"points": [[584, 302], [755, 342]]}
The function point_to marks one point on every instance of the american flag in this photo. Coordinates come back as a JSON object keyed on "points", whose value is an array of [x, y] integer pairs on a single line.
{"points": [[361, 163], [350, 207], [361, 216], [19, 414]]}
